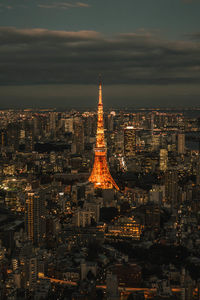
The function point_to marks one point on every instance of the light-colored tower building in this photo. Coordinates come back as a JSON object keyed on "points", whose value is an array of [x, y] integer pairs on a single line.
{"points": [[181, 143], [129, 141], [100, 176], [163, 159]]}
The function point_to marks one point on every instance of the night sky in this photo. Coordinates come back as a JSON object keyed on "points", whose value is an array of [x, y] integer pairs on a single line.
{"points": [[51, 52]]}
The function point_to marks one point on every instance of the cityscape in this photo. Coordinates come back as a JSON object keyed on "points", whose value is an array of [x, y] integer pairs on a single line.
{"points": [[99, 150], [100, 206]]}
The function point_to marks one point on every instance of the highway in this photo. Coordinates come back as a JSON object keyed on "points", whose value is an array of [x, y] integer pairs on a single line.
{"points": [[127, 289]]}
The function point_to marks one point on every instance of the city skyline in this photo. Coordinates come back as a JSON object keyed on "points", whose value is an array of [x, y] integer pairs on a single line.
{"points": [[52, 53], [99, 149], [66, 232]]}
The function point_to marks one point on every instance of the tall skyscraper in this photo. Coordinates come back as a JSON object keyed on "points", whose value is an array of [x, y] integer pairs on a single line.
{"points": [[181, 143], [35, 217], [52, 121], [171, 187], [129, 141], [163, 159], [68, 125], [155, 145], [32, 272], [110, 121], [100, 176]]}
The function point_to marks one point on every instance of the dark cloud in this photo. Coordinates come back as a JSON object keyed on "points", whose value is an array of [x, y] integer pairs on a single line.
{"points": [[7, 5], [194, 36], [63, 5], [39, 56]]}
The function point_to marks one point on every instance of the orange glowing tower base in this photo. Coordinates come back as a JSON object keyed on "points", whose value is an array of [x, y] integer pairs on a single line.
{"points": [[100, 176]]}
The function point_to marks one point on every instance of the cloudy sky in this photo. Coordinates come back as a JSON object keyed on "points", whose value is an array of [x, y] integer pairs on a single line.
{"points": [[51, 52]]}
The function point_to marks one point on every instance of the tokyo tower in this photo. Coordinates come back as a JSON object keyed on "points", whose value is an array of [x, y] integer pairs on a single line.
{"points": [[100, 176]]}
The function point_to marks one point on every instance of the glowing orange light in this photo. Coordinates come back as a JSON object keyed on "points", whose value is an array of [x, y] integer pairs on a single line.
{"points": [[100, 176]]}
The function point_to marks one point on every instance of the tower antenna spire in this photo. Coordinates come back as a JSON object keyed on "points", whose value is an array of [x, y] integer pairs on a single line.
{"points": [[100, 89], [100, 78]]}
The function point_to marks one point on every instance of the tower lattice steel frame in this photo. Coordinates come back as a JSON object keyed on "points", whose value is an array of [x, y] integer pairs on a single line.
{"points": [[100, 176]]}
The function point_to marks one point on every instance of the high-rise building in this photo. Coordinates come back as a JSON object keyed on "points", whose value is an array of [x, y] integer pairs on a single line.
{"points": [[155, 142], [110, 121], [32, 272], [3, 138], [78, 135], [100, 175], [181, 143], [171, 187], [35, 221], [52, 121], [129, 141], [83, 217], [88, 124], [119, 142], [152, 123], [68, 125], [198, 172], [157, 194], [163, 159]]}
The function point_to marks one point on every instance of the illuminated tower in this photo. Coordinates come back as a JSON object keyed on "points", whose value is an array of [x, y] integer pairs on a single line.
{"points": [[100, 176]]}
